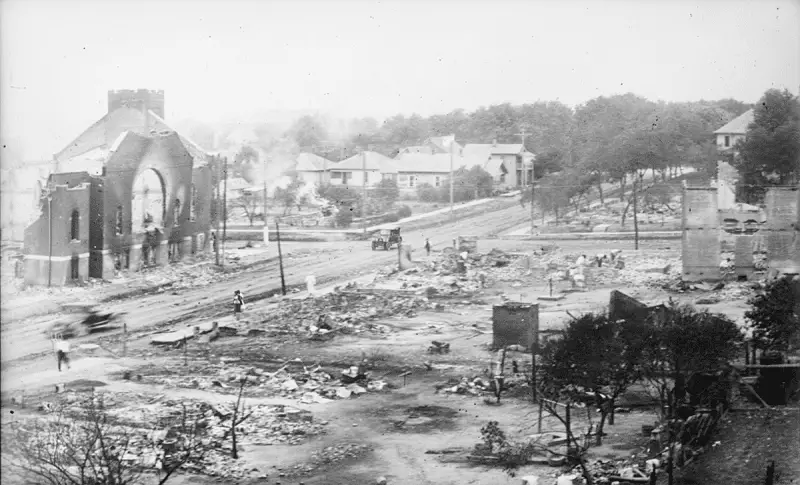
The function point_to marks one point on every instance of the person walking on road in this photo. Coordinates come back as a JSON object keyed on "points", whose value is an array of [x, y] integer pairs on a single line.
{"points": [[238, 303], [62, 352], [428, 246]]}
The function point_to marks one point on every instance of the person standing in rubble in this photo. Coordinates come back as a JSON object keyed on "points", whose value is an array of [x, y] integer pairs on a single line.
{"points": [[428, 246], [238, 303], [62, 352]]}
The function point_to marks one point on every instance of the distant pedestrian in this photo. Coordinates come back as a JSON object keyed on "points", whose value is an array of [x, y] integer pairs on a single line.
{"points": [[62, 352], [214, 241], [311, 282], [428, 246], [238, 303]]}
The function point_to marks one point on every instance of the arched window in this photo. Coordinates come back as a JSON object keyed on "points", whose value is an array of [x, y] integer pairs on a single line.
{"points": [[176, 212], [120, 228], [75, 226]]}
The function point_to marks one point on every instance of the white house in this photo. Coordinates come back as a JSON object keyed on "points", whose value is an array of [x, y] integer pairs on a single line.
{"points": [[313, 169], [733, 131], [504, 161], [363, 168], [414, 169]]}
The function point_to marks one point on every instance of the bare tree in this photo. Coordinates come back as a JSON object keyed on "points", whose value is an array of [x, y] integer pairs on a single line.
{"points": [[249, 202], [240, 415], [84, 446]]}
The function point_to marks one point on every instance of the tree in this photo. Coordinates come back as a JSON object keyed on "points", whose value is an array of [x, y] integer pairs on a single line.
{"points": [[687, 341], [250, 202], [773, 316], [84, 446], [770, 153], [600, 357], [387, 192], [287, 196], [308, 131], [240, 415], [245, 163]]}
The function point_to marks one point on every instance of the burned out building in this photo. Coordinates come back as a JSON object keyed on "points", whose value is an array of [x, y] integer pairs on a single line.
{"points": [[128, 192]]}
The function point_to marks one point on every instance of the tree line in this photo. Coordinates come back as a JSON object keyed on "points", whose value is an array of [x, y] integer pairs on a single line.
{"points": [[608, 138]]}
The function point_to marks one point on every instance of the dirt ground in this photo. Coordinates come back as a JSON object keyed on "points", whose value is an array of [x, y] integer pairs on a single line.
{"points": [[387, 433]]}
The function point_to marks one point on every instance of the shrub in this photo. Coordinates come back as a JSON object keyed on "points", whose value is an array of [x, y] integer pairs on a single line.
{"points": [[404, 211], [427, 193], [344, 217]]}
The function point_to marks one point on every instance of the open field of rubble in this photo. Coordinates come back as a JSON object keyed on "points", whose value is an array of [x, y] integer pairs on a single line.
{"points": [[387, 379]]}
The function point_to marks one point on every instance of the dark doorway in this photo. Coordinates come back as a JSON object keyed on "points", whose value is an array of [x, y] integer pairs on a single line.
{"points": [[74, 268]]}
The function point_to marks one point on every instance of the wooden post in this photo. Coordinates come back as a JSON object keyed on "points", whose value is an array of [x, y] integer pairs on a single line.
{"points": [[280, 258], [635, 218], [568, 424], [539, 425], [224, 207]]}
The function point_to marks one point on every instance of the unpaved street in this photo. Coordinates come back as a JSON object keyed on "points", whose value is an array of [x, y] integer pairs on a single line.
{"points": [[345, 260]]}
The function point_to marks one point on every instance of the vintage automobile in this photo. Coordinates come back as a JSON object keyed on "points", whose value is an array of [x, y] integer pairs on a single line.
{"points": [[81, 319], [386, 238]]}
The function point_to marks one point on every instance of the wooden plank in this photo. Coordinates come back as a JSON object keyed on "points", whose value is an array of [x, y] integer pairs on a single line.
{"points": [[768, 366]]}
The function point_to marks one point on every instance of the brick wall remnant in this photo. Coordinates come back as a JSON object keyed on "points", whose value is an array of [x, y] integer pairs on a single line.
{"points": [[515, 323], [701, 234]]}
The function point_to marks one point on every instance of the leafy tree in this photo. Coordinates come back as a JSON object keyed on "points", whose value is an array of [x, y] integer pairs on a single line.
{"points": [[245, 163], [250, 203], [770, 154], [308, 131], [288, 195], [600, 357], [687, 341], [401, 131], [773, 316]]}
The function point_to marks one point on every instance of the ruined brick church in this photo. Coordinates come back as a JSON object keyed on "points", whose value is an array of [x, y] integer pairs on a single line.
{"points": [[128, 192]]}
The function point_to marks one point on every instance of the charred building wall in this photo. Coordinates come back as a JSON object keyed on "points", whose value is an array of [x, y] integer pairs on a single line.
{"points": [[701, 234]]}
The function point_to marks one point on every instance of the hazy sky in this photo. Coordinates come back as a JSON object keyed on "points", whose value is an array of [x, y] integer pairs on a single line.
{"points": [[230, 59]]}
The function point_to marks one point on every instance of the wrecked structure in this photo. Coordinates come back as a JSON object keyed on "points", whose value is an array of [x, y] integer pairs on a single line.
{"points": [[128, 192], [711, 213]]}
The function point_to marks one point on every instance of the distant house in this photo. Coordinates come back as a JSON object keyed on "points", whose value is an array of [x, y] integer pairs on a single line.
{"points": [[504, 161], [313, 169], [433, 145], [368, 168], [733, 131], [414, 169]]}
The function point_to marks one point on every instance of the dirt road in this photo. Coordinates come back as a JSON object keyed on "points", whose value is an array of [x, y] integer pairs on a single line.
{"points": [[27, 338]]}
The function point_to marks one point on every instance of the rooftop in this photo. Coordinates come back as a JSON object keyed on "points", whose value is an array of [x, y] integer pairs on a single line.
{"points": [[374, 161], [738, 125], [310, 162]]}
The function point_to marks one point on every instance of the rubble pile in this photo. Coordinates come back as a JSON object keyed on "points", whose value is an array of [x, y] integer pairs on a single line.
{"points": [[310, 386], [342, 311]]}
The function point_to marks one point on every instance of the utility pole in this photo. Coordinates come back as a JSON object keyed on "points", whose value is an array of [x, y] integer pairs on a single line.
{"points": [[224, 207], [217, 208], [525, 174], [50, 235], [635, 218], [364, 196], [280, 257], [266, 224], [451, 181]]}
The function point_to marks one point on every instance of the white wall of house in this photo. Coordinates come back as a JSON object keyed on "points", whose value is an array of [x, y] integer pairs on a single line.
{"points": [[409, 181], [313, 178], [728, 141], [354, 177]]}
